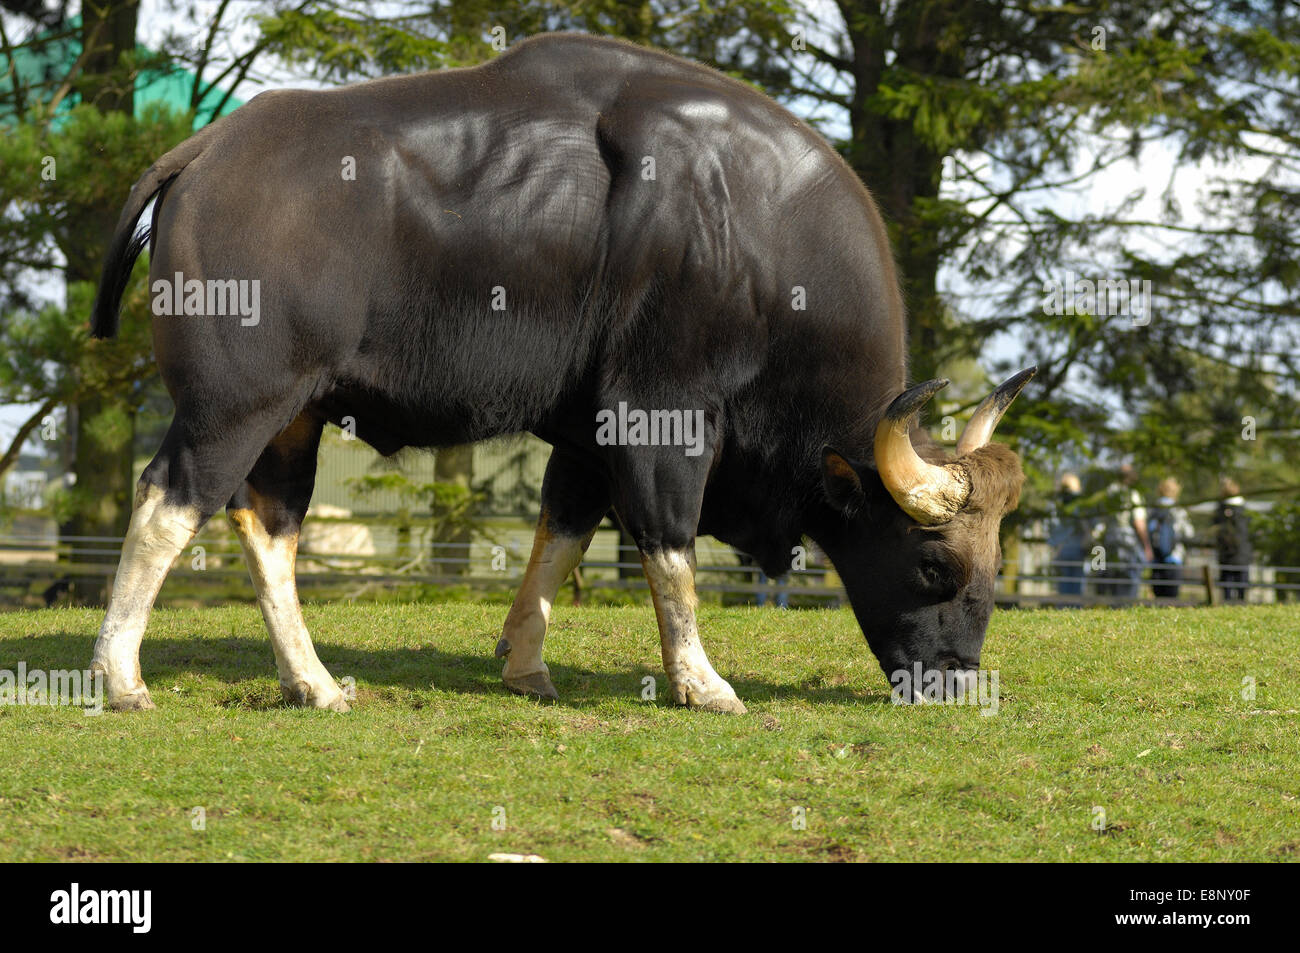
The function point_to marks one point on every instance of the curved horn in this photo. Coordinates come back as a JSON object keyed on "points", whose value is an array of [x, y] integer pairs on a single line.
{"points": [[928, 493], [979, 429]]}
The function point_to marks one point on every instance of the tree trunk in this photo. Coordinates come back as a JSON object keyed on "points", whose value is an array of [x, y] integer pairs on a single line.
{"points": [[101, 428], [627, 553], [901, 171], [453, 465]]}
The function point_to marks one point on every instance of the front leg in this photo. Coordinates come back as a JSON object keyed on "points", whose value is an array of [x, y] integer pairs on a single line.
{"points": [[658, 495], [671, 574]]}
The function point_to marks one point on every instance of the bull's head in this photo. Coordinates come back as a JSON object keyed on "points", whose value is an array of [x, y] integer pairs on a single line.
{"points": [[915, 538]]}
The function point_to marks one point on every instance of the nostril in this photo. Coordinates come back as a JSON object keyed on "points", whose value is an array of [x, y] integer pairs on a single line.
{"points": [[949, 662], [958, 676], [964, 683]]}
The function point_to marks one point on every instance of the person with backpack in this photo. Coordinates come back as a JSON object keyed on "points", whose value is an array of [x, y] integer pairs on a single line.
{"points": [[1070, 537], [1125, 538], [1169, 528], [1232, 541]]}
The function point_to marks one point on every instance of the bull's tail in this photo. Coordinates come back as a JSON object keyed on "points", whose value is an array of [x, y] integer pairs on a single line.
{"points": [[127, 243]]}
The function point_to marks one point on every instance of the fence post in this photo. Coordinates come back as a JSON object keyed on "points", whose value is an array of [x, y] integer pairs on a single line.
{"points": [[1211, 590]]}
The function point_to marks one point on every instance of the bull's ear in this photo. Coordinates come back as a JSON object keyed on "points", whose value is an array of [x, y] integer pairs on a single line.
{"points": [[841, 480]]}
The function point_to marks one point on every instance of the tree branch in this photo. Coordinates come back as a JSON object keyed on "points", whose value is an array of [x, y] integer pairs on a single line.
{"points": [[25, 431]]}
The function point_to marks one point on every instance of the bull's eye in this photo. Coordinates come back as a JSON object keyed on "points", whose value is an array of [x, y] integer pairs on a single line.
{"points": [[936, 578]]}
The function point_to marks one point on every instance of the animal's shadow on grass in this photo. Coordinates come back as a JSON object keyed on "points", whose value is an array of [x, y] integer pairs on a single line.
{"points": [[240, 661]]}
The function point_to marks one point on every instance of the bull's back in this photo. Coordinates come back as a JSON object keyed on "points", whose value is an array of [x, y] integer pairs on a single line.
{"points": [[460, 249]]}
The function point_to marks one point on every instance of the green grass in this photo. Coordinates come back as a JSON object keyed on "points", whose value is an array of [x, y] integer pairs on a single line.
{"points": [[1138, 712]]}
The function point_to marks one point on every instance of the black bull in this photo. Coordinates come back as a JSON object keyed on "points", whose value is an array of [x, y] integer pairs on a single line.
{"points": [[577, 230]]}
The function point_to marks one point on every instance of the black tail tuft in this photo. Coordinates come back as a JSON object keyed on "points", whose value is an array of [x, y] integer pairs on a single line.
{"points": [[127, 243], [123, 252]]}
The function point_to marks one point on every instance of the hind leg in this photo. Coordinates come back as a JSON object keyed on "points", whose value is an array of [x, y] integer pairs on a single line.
{"points": [[160, 529], [267, 513], [574, 501], [189, 479]]}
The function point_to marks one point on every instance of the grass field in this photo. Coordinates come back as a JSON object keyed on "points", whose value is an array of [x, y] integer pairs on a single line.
{"points": [[1139, 713]]}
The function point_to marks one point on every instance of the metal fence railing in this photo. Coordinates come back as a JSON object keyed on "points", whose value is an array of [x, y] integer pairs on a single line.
{"points": [[1204, 583], [35, 566]]}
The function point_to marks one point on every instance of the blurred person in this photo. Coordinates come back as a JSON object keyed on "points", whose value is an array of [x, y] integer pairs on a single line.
{"points": [[782, 599], [1069, 537], [764, 583], [1124, 535], [1169, 528], [1232, 541]]}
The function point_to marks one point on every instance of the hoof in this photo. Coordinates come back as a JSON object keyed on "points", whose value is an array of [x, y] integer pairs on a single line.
{"points": [[301, 695], [118, 694], [136, 701], [503, 648], [536, 685], [717, 696]]}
